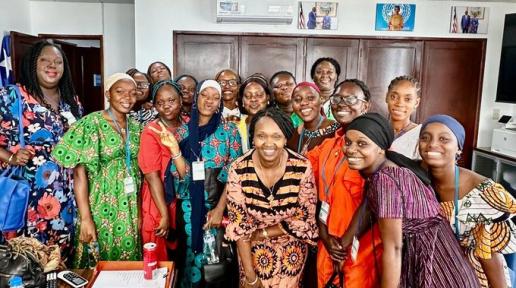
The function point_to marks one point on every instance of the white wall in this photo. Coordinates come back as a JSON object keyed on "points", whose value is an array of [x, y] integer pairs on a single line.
{"points": [[155, 23], [114, 21], [14, 16]]}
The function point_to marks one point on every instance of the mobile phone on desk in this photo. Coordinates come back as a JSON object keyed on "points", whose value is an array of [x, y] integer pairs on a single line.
{"points": [[73, 279]]}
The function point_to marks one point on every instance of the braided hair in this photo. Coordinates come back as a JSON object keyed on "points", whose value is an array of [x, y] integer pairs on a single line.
{"points": [[29, 77], [360, 84], [408, 78], [278, 116]]}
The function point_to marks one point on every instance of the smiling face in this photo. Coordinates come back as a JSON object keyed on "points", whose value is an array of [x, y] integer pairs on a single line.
{"points": [[362, 153], [282, 87], [268, 139], [325, 76], [255, 98], [306, 103], [228, 81], [438, 146], [122, 96], [49, 67], [142, 85], [158, 72], [168, 103], [208, 101], [343, 112], [188, 89], [402, 100]]}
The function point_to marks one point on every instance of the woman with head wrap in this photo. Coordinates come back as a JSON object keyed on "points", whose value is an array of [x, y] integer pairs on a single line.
{"points": [[254, 95], [306, 102], [208, 145], [142, 111], [158, 205], [419, 248], [481, 212], [102, 148], [271, 205], [49, 106], [340, 191]]}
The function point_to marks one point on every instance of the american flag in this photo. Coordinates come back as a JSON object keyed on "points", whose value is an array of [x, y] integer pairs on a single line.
{"points": [[455, 23]]}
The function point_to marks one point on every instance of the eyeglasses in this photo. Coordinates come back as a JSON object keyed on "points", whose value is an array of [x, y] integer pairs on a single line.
{"points": [[348, 100], [231, 83], [142, 85]]}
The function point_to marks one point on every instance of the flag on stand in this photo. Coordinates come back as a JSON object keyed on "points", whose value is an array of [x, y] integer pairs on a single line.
{"points": [[6, 69], [455, 22]]}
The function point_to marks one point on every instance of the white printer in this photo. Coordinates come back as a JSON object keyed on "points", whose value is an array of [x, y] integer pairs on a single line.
{"points": [[504, 141]]}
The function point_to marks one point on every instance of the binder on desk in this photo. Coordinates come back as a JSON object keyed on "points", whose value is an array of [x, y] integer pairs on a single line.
{"points": [[132, 265]]}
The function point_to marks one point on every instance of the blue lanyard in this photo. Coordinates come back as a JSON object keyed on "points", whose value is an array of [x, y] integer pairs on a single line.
{"points": [[456, 202], [127, 140]]}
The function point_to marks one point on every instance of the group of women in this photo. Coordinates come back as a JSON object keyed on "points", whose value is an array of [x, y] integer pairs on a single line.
{"points": [[316, 190]]}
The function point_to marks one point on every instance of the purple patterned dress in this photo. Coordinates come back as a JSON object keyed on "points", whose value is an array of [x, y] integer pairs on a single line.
{"points": [[431, 255]]}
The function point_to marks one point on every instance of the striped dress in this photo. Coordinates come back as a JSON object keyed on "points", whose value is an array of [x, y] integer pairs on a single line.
{"points": [[278, 262], [431, 255]]}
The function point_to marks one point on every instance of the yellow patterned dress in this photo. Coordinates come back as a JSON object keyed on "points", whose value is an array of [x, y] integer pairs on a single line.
{"points": [[486, 216], [291, 202]]}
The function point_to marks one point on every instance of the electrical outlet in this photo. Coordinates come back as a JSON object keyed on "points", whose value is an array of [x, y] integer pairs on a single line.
{"points": [[496, 114]]}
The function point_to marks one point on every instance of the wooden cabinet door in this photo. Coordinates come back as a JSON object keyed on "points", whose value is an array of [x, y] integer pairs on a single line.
{"points": [[383, 60], [345, 51], [268, 55], [20, 44], [204, 55], [452, 84]]}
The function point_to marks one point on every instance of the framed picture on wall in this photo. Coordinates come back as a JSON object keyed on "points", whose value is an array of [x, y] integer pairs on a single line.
{"points": [[317, 15], [395, 17], [471, 20]]}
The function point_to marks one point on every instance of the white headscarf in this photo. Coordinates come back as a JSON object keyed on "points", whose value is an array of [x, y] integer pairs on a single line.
{"points": [[111, 80], [211, 83]]}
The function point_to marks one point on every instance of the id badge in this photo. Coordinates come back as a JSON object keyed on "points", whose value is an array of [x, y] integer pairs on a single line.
{"points": [[354, 248], [198, 170], [69, 116], [325, 211], [129, 185]]}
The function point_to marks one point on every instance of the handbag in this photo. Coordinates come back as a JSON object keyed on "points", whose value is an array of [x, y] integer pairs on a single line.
{"points": [[23, 264], [15, 189]]}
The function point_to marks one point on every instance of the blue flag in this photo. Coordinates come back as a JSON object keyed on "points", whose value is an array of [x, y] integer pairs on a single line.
{"points": [[6, 69]]}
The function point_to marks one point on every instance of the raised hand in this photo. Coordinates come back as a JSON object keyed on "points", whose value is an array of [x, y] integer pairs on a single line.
{"points": [[167, 138]]}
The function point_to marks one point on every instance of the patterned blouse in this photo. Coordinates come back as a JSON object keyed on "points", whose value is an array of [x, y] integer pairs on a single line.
{"points": [[290, 202], [486, 216]]}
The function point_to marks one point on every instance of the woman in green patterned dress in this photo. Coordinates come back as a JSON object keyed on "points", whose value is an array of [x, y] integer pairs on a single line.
{"points": [[102, 148]]}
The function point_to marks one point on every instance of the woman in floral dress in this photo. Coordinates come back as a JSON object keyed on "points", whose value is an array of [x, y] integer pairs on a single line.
{"points": [[102, 148], [49, 106]]}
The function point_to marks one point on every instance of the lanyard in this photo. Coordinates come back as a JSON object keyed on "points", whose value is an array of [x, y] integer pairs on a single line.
{"points": [[327, 185], [127, 140], [456, 202], [300, 140]]}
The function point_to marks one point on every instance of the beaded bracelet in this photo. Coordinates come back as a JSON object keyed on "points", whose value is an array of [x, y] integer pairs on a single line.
{"points": [[252, 283]]}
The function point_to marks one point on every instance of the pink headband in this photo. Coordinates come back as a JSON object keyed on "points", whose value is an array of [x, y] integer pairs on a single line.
{"points": [[308, 84]]}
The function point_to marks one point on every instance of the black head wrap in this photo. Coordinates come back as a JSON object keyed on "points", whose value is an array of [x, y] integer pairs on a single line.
{"points": [[380, 131]]}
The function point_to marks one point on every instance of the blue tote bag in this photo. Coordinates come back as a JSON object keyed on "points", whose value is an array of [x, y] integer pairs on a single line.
{"points": [[14, 189]]}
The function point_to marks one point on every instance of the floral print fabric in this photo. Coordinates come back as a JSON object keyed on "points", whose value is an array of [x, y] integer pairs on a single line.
{"points": [[291, 203], [93, 143], [51, 208]]}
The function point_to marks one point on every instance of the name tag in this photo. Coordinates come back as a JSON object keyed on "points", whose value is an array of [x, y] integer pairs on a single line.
{"points": [[325, 211], [354, 248], [129, 186], [69, 116], [198, 170]]}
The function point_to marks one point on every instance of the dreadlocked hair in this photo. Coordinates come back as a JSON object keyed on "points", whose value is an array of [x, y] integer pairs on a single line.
{"points": [[133, 71], [409, 78], [278, 116], [360, 84], [29, 78]]}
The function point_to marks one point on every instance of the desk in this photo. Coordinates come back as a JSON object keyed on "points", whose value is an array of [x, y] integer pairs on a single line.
{"points": [[86, 273]]}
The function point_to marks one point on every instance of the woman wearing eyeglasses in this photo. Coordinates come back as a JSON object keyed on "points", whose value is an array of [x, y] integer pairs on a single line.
{"points": [[340, 193], [403, 96], [143, 111], [229, 81], [306, 102]]}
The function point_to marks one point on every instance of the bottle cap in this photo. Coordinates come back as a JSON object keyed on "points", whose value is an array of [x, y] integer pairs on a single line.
{"points": [[15, 281]]}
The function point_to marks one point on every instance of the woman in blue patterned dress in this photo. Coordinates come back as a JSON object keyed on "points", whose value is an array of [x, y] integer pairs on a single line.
{"points": [[210, 141], [49, 106]]}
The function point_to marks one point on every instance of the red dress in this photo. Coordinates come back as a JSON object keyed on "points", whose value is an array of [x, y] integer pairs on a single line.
{"points": [[152, 157]]}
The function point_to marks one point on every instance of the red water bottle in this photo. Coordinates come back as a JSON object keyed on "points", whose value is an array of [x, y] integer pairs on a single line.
{"points": [[150, 261]]}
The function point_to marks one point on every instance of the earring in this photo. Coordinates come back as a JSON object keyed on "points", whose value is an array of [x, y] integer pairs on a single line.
{"points": [[268, 102]]}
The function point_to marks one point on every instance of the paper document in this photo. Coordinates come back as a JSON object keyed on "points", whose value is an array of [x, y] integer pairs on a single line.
{"points": [[131, 278]]}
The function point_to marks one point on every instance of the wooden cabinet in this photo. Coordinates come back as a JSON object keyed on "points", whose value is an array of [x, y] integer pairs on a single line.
{"points": [[383, 60], [345, 51], [204, 55], [450, 70]]}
